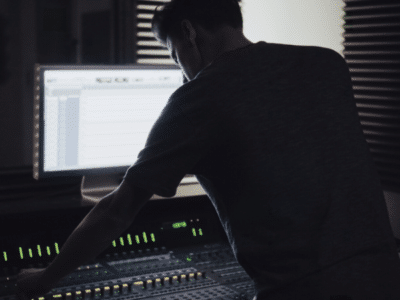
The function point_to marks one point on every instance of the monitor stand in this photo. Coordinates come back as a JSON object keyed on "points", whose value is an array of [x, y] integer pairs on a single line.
{"points": [[96, 187]]}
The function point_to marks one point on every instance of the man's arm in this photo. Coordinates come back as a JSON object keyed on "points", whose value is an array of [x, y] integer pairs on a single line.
{"points": [[103, 224]]}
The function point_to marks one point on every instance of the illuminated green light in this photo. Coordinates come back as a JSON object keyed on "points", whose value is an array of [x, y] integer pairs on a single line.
{"points": [[39, 251], [152, 237], [57, 296], [48, 250], [137, 239], [145, 237], [5, 255], [30, 252], [57, 250], [179, 225], [129, 239], [121, 241], [114, 244], [20, 253], [200, 231], [194, 231], [188, 259]]}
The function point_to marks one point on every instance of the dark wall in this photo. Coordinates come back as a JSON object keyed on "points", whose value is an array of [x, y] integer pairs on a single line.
{"points": [[96, 48], [11, 78], [44, 32]]}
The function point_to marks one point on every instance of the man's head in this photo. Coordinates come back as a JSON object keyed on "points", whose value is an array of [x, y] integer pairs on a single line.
{"points": [[198, 31]]}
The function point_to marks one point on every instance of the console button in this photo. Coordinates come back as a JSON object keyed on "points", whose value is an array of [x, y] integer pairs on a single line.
{"points": [[149, 283], [124, 288], [88, 293], [157, 282], [97, 293], [166, 280], [78, 295], [68, 296], [139, 284], [116, 290], [107, 291], [191, 276], [174, 279]]}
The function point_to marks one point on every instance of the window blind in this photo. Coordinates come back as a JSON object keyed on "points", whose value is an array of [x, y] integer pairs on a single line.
{"points": [[148, 49], [372, 52]]}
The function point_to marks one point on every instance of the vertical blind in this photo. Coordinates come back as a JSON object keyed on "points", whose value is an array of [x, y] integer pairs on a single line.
{"points": [[372, 52], [148, 49]]}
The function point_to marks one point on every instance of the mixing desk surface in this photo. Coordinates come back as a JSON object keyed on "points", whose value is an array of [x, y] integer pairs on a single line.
{"points": [[181, 253], [208, 272]]}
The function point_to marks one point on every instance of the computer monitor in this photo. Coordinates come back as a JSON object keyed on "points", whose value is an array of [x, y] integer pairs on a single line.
{"points": [[94, 120]]}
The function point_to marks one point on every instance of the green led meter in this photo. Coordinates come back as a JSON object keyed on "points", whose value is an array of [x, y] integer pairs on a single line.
{"points": [[179, 225]]}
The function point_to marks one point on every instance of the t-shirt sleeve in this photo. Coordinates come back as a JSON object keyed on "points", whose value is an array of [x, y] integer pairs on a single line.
{"points": [[172, 149]]}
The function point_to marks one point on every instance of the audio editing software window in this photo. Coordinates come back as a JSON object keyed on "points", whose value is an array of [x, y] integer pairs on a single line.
{"points": [[101, 118]]}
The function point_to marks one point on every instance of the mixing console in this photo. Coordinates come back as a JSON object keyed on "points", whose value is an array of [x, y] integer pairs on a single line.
{"points": [[174, 249], [207, 272]]}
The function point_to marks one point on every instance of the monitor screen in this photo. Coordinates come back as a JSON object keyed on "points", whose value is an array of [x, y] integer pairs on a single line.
{"points": [[96, 119]]}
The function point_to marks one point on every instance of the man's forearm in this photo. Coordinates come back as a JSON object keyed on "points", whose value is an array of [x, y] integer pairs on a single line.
{"points": [[91, 237]]}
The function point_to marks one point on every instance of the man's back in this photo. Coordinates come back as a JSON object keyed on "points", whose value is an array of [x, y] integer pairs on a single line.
{"points": [[272, 134]]}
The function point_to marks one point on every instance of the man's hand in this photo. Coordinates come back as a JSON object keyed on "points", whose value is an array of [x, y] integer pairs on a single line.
{"points": [[30, 284]]}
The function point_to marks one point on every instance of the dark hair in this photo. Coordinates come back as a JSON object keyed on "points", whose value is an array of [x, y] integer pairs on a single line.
{"points": [[210, 14]]}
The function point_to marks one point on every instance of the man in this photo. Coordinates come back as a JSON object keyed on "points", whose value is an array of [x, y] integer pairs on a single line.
{"points": [[272, 134]]}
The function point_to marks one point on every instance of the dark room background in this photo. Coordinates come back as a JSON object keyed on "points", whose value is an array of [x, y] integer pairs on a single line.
{"points": [[107, 32]]}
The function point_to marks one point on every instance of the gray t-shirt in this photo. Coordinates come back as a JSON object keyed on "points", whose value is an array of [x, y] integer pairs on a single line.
{"points": [[272, 133]]}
